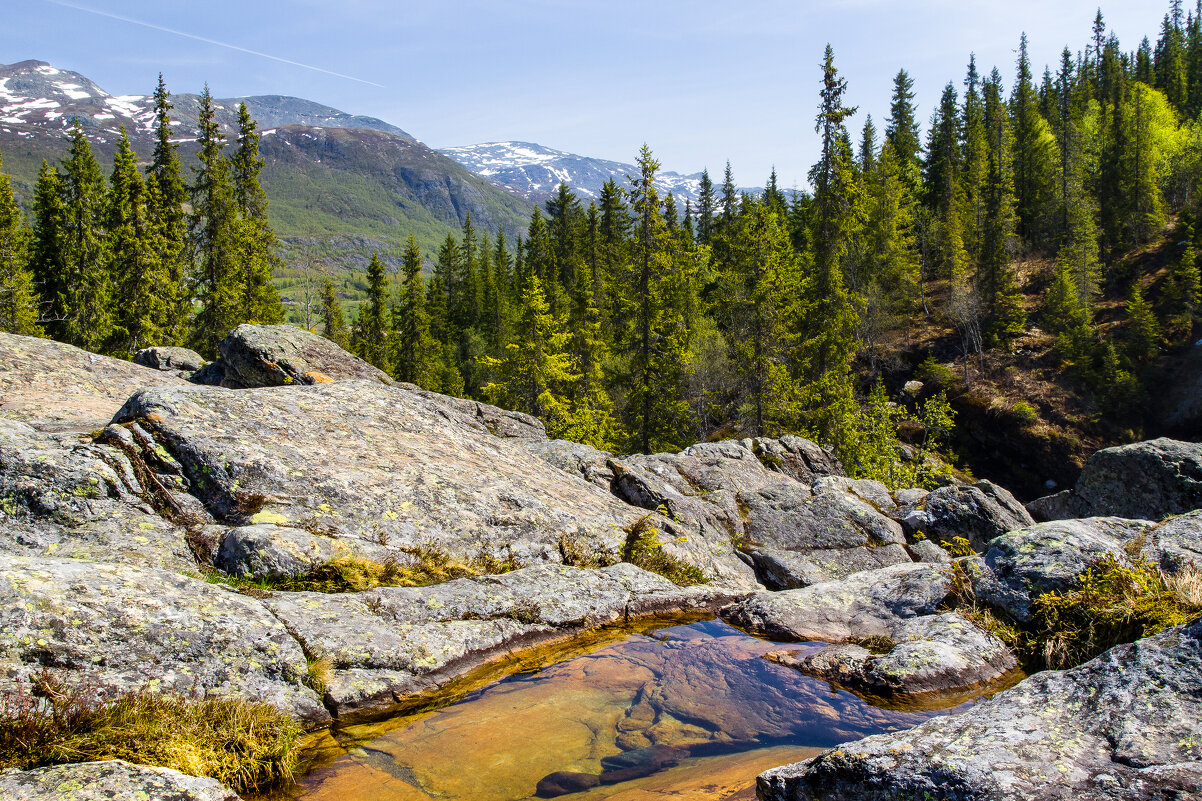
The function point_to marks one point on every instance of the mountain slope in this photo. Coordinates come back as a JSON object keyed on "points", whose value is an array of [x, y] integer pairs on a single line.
{"points": [[536, 172], [340, 186]]}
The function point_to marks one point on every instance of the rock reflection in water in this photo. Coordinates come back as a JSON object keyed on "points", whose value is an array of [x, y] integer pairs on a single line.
{"points": [[690, 706]]}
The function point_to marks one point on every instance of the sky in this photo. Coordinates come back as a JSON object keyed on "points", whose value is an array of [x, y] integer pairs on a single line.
{"points": [[701, 82]]}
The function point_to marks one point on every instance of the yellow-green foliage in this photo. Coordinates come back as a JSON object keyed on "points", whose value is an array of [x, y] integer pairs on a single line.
{"points": [[354, 574], [1114, 603], [959, 547], [243, 745], [643, 549]]}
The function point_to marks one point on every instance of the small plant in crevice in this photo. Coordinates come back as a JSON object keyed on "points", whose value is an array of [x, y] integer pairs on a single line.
{"points": [[317, 673], [643, 549], [575, 552], [959, 546], [246, 746]]}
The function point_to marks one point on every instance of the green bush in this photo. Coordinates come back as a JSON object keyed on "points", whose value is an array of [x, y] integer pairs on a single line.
{"points": [[644, 550]]}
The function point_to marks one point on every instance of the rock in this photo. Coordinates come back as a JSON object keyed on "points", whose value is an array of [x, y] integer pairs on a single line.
{"points": [[128, 628], [867, 604], [170, 358], [790, 517], [493, 419], [64, 496], [799, 459], [639, 762], [933, 654], [279, 355], [1122, 726], [871, 492], [266, 551], [786, 570], [391, 645], [927, 551], [1058, 506], [978, 513], [1146, 480], [1048, 557], [580, 460], [562, 782], [57, 387], [1175, 544], [108, 780], [368, 462]]}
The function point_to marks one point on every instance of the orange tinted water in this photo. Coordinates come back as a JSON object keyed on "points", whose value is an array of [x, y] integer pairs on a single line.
{"points": [[694, 709]]}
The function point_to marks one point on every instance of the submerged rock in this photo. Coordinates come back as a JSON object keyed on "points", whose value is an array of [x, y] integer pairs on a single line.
{"points": [[562, 782], [57, 387], [1122, 726], [107, 781], [279, 355], [1145, 480]]}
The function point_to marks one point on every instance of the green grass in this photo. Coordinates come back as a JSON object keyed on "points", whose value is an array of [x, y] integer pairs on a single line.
{"points": [[245, 746], [643, 549]]}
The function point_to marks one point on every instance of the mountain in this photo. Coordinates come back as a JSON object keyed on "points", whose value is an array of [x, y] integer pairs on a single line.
{"points": [[340, 186], [535, 172]]}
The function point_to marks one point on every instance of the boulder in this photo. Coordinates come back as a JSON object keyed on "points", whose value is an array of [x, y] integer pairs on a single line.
{"points": [[369, 462], [391, 645], [279, 355], [562, 782], [170, 358], [927, 551], [66, 496], [128, 628], [1175, 544], [978, 513], [108, 780], [1122, 726], [871, 603], [57, 387], [268, 551], [931, 655], [1145, 480], [497, 421], [1048, 557], [786, 570]]}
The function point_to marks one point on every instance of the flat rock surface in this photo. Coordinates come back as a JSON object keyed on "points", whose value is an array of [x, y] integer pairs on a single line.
{"points": [[277, 355], [125, 628], [1122, 726], [111, 780], [58, 387], [363, 460]]}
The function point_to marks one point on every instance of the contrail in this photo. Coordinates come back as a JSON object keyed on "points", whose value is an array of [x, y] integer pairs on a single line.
{"points": [[154, 27]]}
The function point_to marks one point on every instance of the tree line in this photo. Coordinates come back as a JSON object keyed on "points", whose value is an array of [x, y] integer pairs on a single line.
{"points": [[143, 257]]}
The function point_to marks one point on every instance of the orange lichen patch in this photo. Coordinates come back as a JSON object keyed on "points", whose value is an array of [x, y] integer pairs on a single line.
{"points": [[314, 377], [154, 417]]}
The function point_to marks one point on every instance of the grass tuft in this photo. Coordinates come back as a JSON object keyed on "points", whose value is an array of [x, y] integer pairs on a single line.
{"points": [[245, 746]]}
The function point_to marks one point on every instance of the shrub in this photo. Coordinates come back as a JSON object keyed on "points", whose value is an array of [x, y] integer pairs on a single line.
{"points": [[958, 547], [1113, 603], [245, 746], [1023, 412], [643, 549]]}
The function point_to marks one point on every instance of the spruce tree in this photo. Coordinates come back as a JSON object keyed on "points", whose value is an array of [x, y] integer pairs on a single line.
{"points": [[18, 298], [167, 206], [995, 272], [259, 301], [373, 327], [142, 311], [88, 286], [1143, 330], [901, 132], [214, 238], [416, 358], [333, 321], [707, 204], [1033, 155], [48, 260]]}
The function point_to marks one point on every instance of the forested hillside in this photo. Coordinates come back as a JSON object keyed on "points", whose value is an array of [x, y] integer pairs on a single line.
{"points": [[1025, 265]]}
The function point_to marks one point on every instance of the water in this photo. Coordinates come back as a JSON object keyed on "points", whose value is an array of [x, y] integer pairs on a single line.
{"points": [[690, 712]]}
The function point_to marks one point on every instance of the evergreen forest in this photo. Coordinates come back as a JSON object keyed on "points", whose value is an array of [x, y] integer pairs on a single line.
{"points": [[1056, 207]]}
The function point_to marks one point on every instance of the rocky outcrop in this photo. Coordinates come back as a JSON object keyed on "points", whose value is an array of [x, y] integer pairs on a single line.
{"points": [[1175, 544], [57, 387], [66, 496], [977, 513], [106, 781], [281, 355], [1123, 726], [125, 628], [180, 360], [392, 645], [363, 461], [1146, 480]]}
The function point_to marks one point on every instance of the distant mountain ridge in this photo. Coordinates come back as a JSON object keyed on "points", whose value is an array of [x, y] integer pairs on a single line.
{"points": [[535, 172]]}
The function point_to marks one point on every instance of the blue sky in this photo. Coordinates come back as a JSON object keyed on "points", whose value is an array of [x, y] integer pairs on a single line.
{"points": [[700, 81]]}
